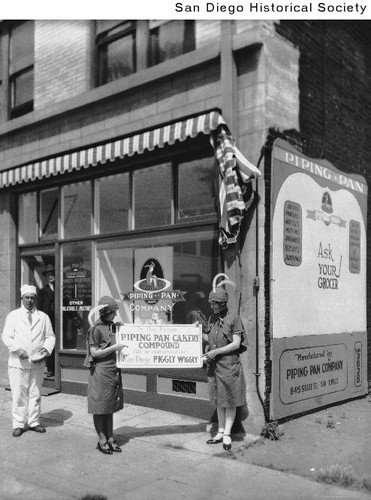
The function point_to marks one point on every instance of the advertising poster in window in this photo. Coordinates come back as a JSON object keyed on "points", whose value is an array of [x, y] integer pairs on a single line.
{"points": [[318, 282], [153, 298], [77, 287]]}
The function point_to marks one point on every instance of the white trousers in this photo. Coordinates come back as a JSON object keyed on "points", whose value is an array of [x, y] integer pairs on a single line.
{"points": [[26, 393]]}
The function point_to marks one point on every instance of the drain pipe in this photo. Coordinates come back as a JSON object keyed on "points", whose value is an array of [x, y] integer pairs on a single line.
{"points": [[256, 288]]}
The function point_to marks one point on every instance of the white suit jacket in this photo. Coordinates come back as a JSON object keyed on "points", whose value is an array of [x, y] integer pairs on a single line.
{"points": [[18, 333]]}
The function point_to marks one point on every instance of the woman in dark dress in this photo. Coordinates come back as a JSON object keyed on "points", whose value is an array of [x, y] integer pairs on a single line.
{"points": [[105, 393], [227, 388]]}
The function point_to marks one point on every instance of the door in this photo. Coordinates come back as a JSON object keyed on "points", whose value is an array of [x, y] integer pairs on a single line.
{"points": [[38, 268]]}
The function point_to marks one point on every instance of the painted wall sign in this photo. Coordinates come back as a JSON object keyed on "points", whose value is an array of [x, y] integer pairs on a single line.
{"points": [[160, 346], [311, 372], [292, 231], [318, 260], [318, 280]]}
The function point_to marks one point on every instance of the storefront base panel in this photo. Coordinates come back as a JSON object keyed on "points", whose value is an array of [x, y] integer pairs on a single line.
{"points": [[314, 371], [197, 390], [75, 375], [134, 382], [182, 405]]}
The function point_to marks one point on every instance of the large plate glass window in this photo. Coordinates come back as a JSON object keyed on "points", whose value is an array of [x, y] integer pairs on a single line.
{"points": [[49, 214], [114, 203], [153, 196], [38, 216], [196, 189], [77, 209], [184, 263], [27, 218]]}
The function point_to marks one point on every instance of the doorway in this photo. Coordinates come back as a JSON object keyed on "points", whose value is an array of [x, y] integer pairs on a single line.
{"points": [[38, 269]]}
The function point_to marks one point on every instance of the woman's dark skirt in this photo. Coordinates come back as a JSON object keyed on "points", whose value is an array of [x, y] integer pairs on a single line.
{"points": [[105, 393]]}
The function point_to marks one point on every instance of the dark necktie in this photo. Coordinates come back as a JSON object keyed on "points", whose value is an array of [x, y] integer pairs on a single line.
{"points": [[30, 317]]}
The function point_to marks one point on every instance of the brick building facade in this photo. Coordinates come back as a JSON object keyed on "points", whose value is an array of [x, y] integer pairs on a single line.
{"points": [[302, 81]]}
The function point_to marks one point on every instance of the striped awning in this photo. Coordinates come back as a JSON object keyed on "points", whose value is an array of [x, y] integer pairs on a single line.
{"points": [[111, 151]]}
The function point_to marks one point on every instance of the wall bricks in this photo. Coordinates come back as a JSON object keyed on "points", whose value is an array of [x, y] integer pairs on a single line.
{"points": [[206, 32], [335, 100], [63, 60]]}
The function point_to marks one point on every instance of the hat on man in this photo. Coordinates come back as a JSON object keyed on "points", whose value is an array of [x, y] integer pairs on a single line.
{"points": [[28, 290], [50, 269]]}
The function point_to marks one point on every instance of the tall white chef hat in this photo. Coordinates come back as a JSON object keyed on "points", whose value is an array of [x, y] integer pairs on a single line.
{"points": [[28, 289]]}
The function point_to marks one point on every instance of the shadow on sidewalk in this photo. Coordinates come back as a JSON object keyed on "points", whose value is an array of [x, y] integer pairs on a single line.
{"points": [[125, 433], [55, 418]]}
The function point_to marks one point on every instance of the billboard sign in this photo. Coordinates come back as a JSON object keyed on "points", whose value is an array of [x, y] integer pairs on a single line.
{"points": [[318, 281]]}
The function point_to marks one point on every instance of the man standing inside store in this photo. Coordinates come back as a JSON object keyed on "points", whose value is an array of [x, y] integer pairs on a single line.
{"points": [[45, 303], [29, 337]]}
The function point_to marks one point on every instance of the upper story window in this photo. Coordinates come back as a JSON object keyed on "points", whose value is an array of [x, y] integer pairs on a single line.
{"points": [[169, 39], [21, 68], [116, 50], [125, 47]]}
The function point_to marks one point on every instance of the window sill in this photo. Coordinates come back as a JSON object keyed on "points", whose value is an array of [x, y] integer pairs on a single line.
{"points": [[144, 77], [72, 352]]}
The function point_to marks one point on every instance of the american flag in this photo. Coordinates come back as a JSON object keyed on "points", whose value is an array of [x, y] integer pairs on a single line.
{"points": [[235, 171]]}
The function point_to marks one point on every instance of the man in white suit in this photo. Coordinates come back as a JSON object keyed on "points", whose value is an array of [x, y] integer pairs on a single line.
{"points": [[29, 337]]}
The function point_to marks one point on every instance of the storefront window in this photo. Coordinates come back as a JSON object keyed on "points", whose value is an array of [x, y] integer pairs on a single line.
{"points": [[153, 196], [115, 275], [27, 212], [77, 293], [178, 269], [77, 209], [49, 214], [114, 203], [196, 188]]}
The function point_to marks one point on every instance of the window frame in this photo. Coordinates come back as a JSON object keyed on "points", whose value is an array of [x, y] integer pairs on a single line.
{"points": [[17, 68], [202, 150], [141, 46], [156, 27], [103, 39]]}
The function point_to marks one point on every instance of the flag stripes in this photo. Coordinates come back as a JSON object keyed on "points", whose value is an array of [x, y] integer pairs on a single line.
{"points": [[232, 206]]}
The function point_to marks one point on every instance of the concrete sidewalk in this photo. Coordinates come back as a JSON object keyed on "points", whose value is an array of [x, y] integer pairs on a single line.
{"points": [[165, 456]]}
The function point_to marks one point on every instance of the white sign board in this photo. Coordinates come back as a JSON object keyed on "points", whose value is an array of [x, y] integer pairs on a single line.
{"points": [[318, 283], [319, 248], [160, 346]]}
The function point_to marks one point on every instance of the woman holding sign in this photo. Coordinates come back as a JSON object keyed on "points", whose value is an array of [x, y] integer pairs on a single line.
{"points": [[226, 340], [105, 393]]}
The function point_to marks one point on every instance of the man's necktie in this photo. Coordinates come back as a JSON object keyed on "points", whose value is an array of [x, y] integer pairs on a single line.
{"points": [[30, 317]]}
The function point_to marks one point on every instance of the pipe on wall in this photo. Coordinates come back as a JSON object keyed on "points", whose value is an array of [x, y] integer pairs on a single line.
{"points": [[256, 288]]}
